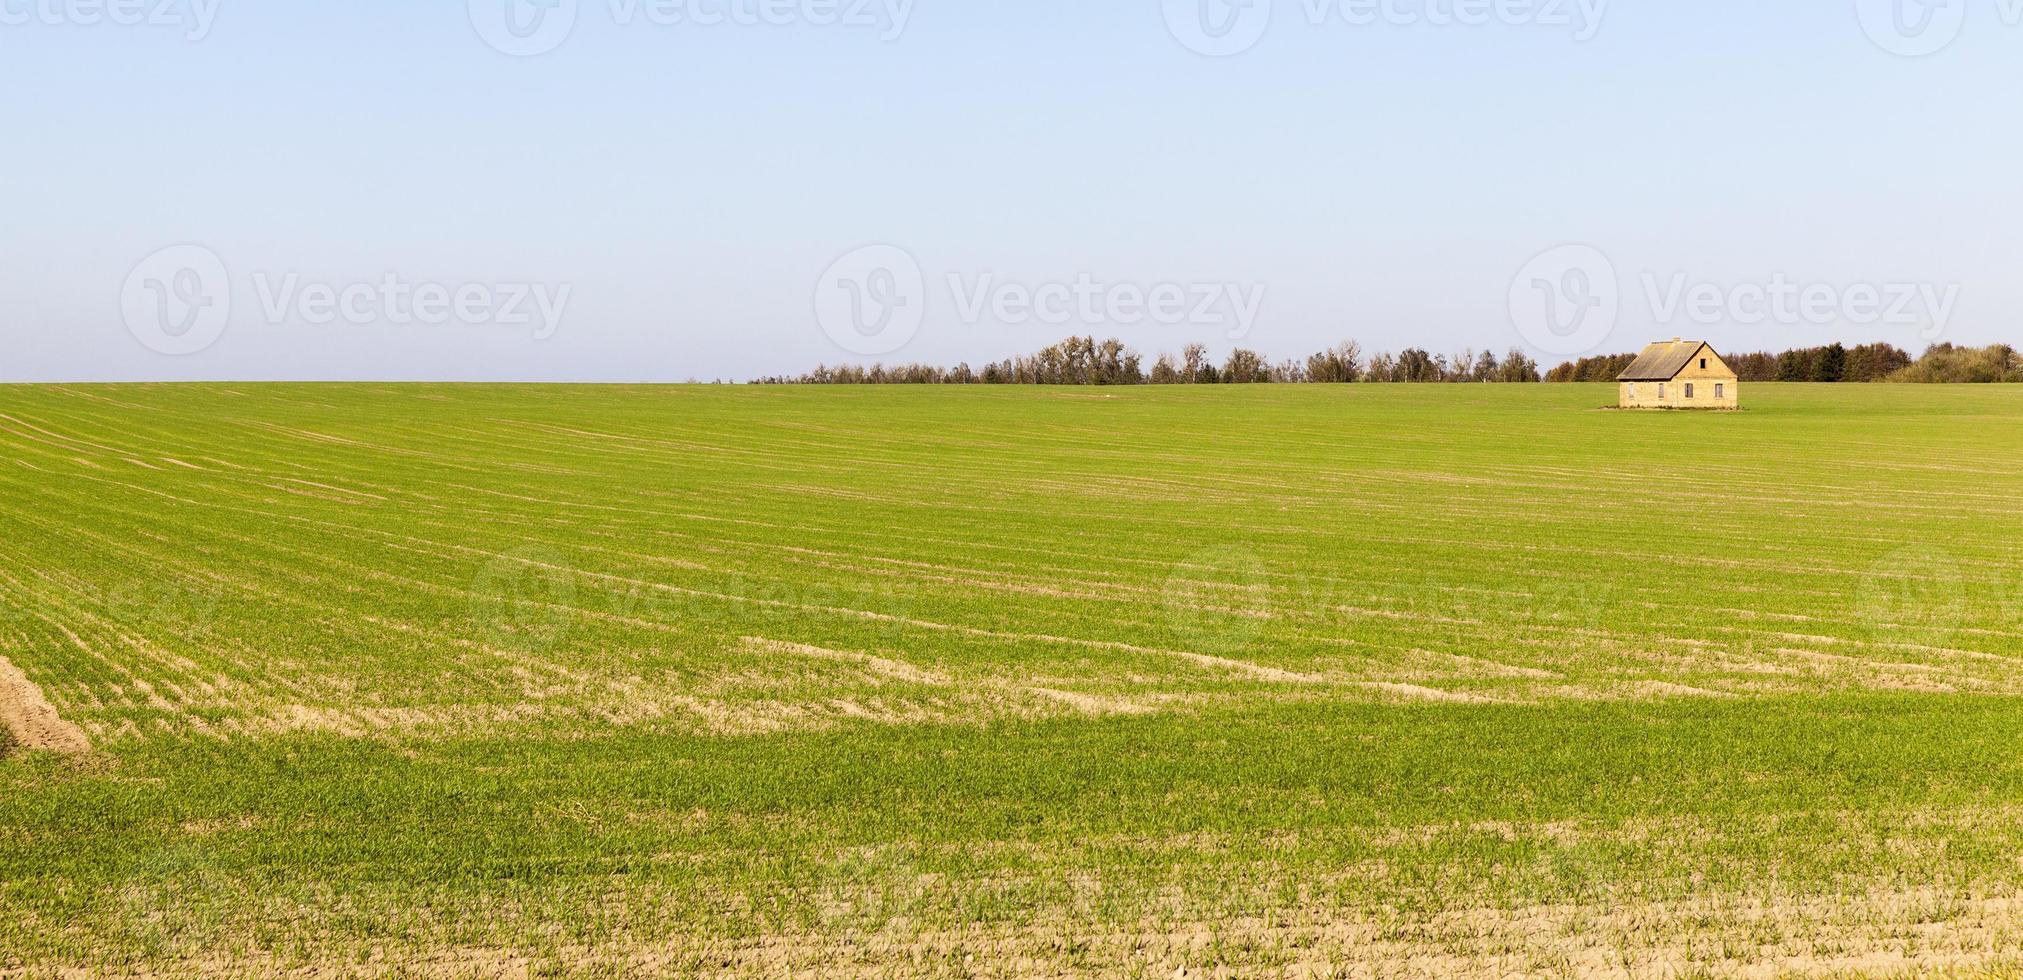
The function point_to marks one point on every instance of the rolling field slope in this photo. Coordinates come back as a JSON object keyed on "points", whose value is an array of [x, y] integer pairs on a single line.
{"points": [[1393, 680]]}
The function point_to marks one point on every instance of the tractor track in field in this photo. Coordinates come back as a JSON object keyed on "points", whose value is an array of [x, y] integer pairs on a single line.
{"points": [[29, 718]]}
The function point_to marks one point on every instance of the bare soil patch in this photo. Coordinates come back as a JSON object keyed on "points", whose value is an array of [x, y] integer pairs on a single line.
{"points": [[31, 722]]}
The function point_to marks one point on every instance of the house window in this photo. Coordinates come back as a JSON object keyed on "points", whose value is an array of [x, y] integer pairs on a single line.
{"points": [[1633, 389], [1720, 391], [1689, 391], [1661, 392], [1703, 364]]}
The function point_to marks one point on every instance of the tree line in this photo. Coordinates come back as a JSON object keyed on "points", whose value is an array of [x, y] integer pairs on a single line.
{"points": [[1087, 361], [1834, 363]]}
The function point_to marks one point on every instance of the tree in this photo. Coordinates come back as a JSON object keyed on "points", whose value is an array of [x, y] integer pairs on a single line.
{"points": [[1874, 362], [1244, 367], [1486, 368], [1339, 364], [1518, 367], [1759, 366], [1796, 365], [1086, 361], [2008, 361], [1418, 367], [1947, 364], [1588, 369], [1287, 372], [1831, 365]]}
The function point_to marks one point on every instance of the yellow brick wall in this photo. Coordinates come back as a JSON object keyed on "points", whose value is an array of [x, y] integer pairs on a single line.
{"points": [[1716, 369], [1646, 394]]}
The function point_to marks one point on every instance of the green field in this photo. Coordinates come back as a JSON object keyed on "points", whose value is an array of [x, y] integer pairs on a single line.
{"points": [[1309, 680]]}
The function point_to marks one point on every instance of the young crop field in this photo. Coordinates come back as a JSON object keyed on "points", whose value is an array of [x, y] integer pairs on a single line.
{"points": [[1357, 680]]}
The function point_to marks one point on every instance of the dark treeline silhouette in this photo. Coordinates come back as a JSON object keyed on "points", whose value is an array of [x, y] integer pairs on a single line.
{"points": [[1602, 368], [1941, 364], [1868, 362], [1087, 361]]}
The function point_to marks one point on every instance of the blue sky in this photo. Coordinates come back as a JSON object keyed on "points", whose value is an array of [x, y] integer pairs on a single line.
{"points": [[679, 192]]}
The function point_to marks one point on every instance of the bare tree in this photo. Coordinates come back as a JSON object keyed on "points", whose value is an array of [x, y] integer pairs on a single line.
{"points": [[1339, 364], [1243, 367]]}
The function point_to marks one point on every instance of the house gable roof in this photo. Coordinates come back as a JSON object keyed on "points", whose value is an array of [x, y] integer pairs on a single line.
{"points": [[1664, 360]]}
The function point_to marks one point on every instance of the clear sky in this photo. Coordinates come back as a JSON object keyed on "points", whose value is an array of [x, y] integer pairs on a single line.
{"points": [[689, 198]]}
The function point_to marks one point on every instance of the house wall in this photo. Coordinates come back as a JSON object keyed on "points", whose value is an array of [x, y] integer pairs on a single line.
{"points": [[1703, 380], [1716, 369], [1675, 394]]}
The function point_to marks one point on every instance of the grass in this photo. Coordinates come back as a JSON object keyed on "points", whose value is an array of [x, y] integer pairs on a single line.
{"points": [[489, 680]]}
